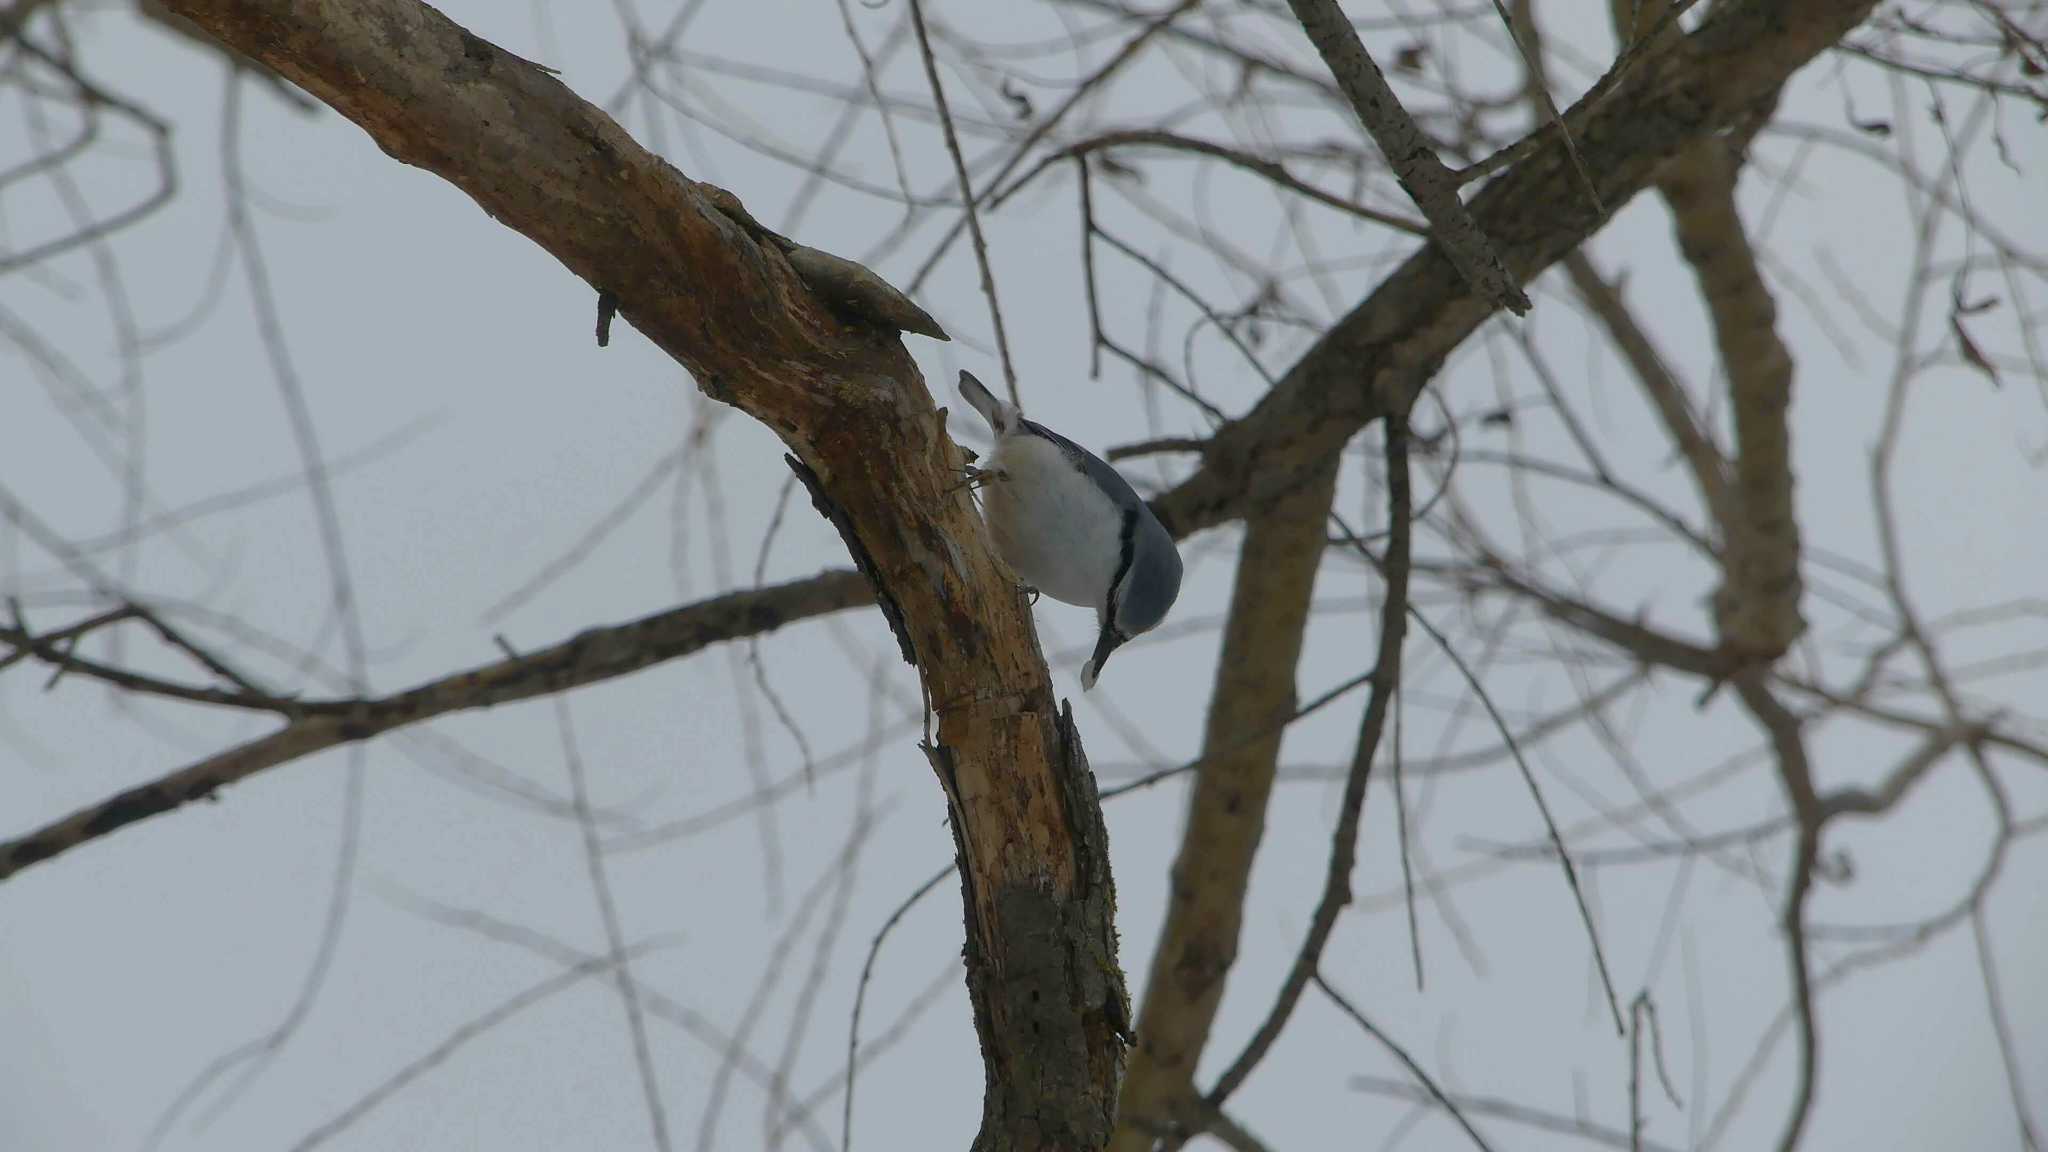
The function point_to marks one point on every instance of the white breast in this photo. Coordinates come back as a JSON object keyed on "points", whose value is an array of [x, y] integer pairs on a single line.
{"points": [[1054, 528]]}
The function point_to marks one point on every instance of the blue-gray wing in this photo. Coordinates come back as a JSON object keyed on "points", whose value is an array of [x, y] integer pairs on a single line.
{"points": [[1149, 577], [1154, 580], [1110, 479]]}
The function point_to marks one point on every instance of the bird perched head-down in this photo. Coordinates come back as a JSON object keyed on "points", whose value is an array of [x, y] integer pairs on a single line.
{"points": [[1072, 528]]}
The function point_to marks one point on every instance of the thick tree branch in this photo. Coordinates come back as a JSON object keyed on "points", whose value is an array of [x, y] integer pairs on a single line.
{"points": [[596, 655], [1393, 341], [700, 278], [1386, 678], [1270, 170], [1255, 693]]}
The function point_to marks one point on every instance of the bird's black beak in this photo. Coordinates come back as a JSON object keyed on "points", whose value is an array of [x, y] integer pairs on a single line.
{"points": [[1105, 643]]}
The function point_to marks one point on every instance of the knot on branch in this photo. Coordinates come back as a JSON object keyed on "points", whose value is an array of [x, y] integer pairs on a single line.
{"points": [[1756, 611], [856, 292], [850, 288]]}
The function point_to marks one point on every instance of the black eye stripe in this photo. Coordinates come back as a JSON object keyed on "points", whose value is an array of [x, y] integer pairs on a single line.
{"points": [[1127, 540]]}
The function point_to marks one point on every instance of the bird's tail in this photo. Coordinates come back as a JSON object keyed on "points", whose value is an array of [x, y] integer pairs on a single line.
{"points": [[1002, 418]]}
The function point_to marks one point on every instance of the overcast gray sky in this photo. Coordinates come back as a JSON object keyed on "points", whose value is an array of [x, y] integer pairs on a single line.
{"points": [[129, 965]]}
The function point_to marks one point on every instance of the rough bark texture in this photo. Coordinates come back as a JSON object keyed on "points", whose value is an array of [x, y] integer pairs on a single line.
{"points": [[1254, 698], [697, 277], [1535, 212], [1034, 945]]}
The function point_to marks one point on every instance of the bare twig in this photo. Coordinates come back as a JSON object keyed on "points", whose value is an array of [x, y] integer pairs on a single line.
{"points": [[596, 655], [1510, 1111], [1088, 86], [659, 1005], [860, 996], [615, 936], [1407, 1061], [1667, 395], [1431, 185], [1530, 48], [2001, 1027], [533, 996], [966, 185]]}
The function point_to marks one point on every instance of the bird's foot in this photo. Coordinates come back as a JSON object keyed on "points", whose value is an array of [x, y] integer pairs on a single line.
{"points": [[973, 477], [1031, 592]]}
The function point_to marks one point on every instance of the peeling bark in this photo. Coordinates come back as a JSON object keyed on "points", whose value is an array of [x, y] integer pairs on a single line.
{"points": [[1042, 969]]}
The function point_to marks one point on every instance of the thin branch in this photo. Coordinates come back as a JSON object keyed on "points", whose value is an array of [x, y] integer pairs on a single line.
{"points": [[860, 996], [1401, 829], [1085, 183], [1527, 45], [1788, 742], [1407, 1061], [1270, 170], [2001, 1028], [531, 997], [1413, 158], [684, 1019], [1088, 86], [1571, 872], [597, 655], [966, 185], [58, 651], [1234, 1134], [1509, 1110], [615, 936], [1667, 395]]}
